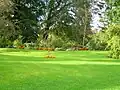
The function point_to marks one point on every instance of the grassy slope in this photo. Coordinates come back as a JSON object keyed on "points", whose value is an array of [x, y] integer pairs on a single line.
{"points": [[18, 75]]}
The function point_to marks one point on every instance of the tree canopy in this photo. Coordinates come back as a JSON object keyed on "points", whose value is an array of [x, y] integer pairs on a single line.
{"points": [[62, 17]]}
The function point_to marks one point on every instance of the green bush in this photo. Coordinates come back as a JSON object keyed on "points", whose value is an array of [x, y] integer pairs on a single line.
{"points": [[54, 42], [113, 33], [5, 43], [69, 44], [17, 42], [57, 42], [98, 41]]}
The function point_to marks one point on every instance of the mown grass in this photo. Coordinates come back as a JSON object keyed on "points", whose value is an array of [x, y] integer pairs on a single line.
{"points": [[24, 70]]}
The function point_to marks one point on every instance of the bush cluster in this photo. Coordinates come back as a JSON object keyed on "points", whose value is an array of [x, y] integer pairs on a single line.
{"points": [[113, 33], [98, 41]]}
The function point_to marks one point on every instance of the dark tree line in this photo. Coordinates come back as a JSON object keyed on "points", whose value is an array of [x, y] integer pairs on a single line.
{"points": [[31, 18]]}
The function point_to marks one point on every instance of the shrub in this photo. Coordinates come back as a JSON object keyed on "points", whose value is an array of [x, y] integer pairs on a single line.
{"points": [[113, 33], [70, 44], [57, 42], [5, 43], [114, 44], [17, 42], [52, 41], [98, 41]]}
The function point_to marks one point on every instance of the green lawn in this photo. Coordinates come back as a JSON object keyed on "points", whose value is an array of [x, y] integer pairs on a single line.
{"points": [[70, 70]]}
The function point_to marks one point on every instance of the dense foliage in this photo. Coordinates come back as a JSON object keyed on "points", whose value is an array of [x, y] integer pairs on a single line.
{"points": [[113, 30], [98, 41], [68, 19], [113, 33]]}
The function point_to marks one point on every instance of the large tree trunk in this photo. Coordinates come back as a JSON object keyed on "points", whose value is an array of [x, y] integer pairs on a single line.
{"points": [[85, 26], [45, 34], [47, 28]]}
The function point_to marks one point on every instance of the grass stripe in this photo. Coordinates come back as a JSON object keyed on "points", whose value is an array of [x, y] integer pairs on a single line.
{"points": [[65, 62]]}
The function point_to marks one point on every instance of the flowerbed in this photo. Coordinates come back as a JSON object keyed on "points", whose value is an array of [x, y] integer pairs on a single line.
{"points": [[21, 47], [83, 49]]}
